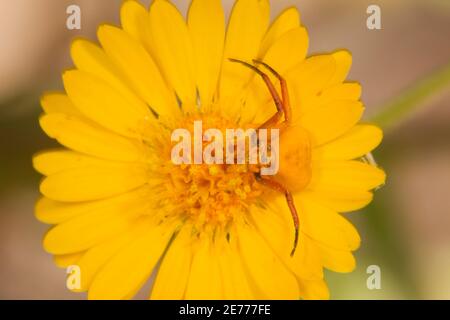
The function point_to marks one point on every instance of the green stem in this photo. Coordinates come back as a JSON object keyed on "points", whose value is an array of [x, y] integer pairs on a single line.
{"points": [[396, 110]]}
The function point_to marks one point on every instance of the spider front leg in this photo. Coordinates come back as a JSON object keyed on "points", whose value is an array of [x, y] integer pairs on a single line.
{"points": [[273, 92], [272, 184], [284, 92], [283, 104]]}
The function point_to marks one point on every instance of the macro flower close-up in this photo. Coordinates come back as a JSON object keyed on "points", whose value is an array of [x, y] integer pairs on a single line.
{"points": [[122, 210]]}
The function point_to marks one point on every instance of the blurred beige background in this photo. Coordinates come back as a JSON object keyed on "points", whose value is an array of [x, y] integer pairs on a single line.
{"points": [[406, 231]]}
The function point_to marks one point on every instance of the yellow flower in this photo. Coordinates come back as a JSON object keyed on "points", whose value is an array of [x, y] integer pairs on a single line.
{"points": [[121, 207]]}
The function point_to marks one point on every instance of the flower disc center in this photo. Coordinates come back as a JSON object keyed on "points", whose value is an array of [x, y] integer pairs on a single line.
{"points": [[214, 194]]}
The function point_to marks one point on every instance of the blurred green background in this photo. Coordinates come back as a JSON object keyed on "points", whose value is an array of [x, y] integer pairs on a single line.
{"points": [[405, 231]]}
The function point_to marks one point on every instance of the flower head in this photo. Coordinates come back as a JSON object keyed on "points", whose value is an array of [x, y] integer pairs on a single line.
{"points": [[121, 207]]}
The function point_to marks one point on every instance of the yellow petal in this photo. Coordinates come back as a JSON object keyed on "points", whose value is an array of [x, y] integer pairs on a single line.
{"points": [[328, 122], [54, 212], [128, 270], [66, 260], [306, 262], [342, 200], [342, 91], [134, 19], [172, 48], [248, 24], [96, 257], [234, 279], [205, 282], [89, 138], [279, 235], [173, 274], [94, 182], [98, 222], [346, 175], [307, 80], [357, 142], [55, 102], [141, 72], [54, 161], [343, 64], [288, 51], [314, 290], [100, 102], [262, 264], [91, 59], [289, 19], [207, 29], [325, 225], [337, 260]]}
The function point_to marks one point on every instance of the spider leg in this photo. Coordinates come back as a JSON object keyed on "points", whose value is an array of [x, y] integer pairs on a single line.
{"points": [[272, 184], [284, 90], [275, 96]]}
